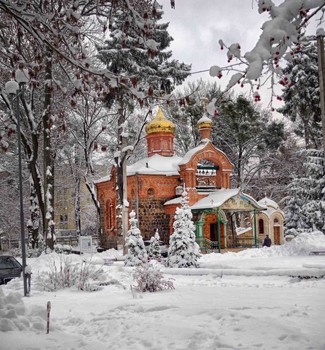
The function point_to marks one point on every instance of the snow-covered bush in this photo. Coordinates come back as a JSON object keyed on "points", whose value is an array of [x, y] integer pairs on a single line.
{"points": [[149, 278], [65, 274], [154, 247], [137, 254], [183, 250], [62, 248]]}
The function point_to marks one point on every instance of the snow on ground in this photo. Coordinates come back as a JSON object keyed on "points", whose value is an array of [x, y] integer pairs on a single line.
{"points": [[254, 299]]}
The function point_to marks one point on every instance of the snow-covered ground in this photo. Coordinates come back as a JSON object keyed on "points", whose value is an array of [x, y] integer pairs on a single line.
{"points": [[248, 300]]}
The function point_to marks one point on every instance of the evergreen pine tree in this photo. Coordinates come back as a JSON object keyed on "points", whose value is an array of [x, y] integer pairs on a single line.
{"points": [[301, 94], [154, 247], [183, 250], [293, 207], [305, 209], [244, 134], [313, 209], [137, 254], [145, 63]]}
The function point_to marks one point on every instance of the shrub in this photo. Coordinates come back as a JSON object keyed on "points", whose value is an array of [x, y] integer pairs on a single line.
{"points": [[148, 278], [65, 274]]}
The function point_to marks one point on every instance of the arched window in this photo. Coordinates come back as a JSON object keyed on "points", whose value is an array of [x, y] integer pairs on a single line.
{"points": [[150, 192], [261, 226]]}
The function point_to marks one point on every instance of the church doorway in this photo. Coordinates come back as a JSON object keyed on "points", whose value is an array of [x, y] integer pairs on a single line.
{"points": [[214, 234], [276, 231]]}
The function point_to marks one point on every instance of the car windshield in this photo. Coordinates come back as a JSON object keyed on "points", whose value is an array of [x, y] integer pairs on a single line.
{"points": [[8, 262]]}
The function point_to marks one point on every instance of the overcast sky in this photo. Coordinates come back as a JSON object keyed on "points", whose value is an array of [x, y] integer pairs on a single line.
{"points": [[197, 26]]}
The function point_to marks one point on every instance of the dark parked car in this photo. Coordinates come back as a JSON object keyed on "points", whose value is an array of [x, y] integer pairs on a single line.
{"points": [[9, 268]]}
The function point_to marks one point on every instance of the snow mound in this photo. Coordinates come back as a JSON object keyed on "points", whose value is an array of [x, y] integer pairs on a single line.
{"points": [[15, 317], [304, 243], [301, 245]]}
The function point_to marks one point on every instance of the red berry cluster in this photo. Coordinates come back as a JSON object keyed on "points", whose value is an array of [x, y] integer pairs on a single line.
{"points": [[284, 81], [257, 97]]}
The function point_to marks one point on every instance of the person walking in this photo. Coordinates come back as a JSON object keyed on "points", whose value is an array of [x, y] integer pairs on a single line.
{"points": [[267, 241]]}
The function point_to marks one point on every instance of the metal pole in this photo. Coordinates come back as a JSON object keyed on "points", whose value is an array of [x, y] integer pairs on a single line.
{"points": [[22, 225], [321, 70]]}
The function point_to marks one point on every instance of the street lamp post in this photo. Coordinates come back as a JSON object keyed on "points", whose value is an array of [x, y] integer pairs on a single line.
{"points": [[13, 90]]}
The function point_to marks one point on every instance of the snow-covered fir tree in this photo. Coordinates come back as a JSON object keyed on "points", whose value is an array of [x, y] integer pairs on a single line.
{"points": [[293, 207], [146, 62], [313, 209], [137, 254], [305, 209], [154, 247], [301, 94], [183, 250]]}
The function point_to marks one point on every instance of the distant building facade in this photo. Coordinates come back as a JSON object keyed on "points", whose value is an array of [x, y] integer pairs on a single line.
{"points": [[68, 195]]}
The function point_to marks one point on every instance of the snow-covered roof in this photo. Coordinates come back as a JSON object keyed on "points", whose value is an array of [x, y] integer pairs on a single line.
{"points": [[219, 197], [103, 179], [155, 165], [271, 205], [193, 151], [268, 203], [215, 199], [176, 200]]}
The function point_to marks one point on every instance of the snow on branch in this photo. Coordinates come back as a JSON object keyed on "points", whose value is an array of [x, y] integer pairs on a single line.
{"points": [[278, 41]]}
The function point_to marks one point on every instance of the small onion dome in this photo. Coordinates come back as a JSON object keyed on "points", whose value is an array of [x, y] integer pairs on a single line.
{"points": [[160, 124], [204, 122]]}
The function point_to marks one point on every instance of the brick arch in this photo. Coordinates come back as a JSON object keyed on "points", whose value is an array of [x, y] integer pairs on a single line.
{"points": [[217, 157], [188, 170]]}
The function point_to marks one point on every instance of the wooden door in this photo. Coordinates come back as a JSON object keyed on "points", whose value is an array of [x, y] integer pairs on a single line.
{"points": [[276, 230]]}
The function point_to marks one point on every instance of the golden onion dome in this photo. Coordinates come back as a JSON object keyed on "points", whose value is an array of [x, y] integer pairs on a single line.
{"points": [[160, 124], [204, 122]]}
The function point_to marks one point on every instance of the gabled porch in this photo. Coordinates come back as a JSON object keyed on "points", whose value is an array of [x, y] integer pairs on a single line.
{"points": [[226, 219]]}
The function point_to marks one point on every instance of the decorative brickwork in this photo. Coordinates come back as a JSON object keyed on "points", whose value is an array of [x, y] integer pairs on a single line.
{"points": [[152, 216]]}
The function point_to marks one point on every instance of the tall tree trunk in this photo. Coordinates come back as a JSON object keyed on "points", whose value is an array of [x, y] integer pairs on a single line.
{"points": [[31, 150], [121, 179], [33, 224], [48, 223]]}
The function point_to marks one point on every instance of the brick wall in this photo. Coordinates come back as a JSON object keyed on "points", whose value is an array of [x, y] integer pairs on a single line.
{"points": [[152, 216]]}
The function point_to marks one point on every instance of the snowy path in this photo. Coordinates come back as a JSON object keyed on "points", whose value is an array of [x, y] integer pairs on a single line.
{"points": [[203, 312]]}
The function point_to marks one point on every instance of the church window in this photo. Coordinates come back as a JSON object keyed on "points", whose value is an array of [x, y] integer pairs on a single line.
{"points": [[261, 226], [206, 173]]}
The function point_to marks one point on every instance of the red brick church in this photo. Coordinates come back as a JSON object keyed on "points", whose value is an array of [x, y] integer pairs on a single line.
{"points": [[224, 217]]}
